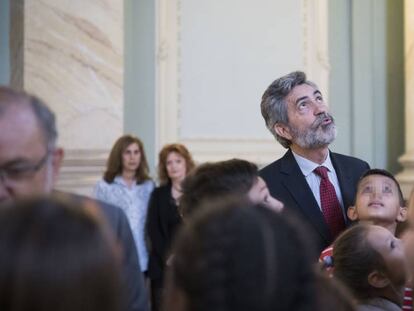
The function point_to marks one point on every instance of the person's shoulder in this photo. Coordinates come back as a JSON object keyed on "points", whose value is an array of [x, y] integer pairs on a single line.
{"points": [[103, 184], [109, 210], [148, 184], [349, 160], [272, 168], [162, 190], [345, 157]]}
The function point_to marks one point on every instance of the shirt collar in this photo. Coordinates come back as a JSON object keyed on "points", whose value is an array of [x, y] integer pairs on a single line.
{"points": [[308, 166], [119, 180]]}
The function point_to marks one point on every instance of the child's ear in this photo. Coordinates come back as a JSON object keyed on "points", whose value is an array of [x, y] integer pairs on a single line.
{"points": [[402, 214], [352, 213], [378, 279]]}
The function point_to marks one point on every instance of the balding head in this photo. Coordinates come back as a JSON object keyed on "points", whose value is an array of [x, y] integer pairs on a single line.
{"points": [[10, 98], [29, 159]]}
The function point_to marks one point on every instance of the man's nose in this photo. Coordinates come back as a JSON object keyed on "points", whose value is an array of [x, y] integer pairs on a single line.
{"points": [[320, 108]]}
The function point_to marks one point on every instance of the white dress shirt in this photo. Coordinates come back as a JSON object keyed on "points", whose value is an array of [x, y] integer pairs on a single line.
{"points": [[307, 167]]}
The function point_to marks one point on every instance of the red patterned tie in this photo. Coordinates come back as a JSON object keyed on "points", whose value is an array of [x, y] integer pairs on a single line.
{"points": [[331, 208]]}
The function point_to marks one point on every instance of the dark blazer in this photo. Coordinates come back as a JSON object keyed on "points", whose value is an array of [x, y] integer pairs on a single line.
{"points": [[163, 220], [132, 279], [287, 184]]}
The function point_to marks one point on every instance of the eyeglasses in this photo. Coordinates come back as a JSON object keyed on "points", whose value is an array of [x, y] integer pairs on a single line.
{"points": [[19, 172]]}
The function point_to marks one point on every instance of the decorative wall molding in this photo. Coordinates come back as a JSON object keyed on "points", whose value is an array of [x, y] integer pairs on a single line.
{"points": [[261, 152], [315, 43], [406, 177], [168, 85], [167, 88], [81, 170]]}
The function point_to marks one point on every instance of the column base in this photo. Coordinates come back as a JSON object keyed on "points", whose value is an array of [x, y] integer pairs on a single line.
{"points": [[406, 177], [81, 170]]}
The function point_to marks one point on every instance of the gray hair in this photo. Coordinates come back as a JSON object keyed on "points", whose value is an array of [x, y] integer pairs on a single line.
{"points": [[45, 117], [273, 106]]}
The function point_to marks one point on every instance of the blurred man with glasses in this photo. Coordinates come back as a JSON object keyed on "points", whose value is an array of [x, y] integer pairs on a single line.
{"points": [[29, 158], [30, 163]]}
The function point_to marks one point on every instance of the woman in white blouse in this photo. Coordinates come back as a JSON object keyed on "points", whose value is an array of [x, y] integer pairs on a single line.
{"points": [[126, 183]]}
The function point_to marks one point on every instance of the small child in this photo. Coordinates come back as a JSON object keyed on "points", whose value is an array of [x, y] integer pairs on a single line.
{"points": [[379, 201], [371, 262]]}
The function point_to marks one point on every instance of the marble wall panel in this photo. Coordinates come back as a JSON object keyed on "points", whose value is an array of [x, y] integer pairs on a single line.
{"points": [[409, 73], [73, 59], [70, 53]]}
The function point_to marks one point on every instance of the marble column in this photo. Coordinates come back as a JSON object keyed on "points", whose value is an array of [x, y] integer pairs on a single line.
{"points": [[406, 177], [70, 54]]}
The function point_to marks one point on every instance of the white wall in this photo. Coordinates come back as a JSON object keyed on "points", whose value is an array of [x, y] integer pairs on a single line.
{"points": [[215, 60], [230, 52]]}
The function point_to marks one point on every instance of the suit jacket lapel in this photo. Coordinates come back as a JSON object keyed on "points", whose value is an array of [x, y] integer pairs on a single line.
{"points": [[344, 179], [296, 184]]}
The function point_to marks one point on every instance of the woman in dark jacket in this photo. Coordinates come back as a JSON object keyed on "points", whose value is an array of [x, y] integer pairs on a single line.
{"points": [[175, 162]]}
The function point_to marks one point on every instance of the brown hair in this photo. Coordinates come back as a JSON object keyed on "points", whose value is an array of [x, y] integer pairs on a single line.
{"points": [[114, 163], [215, 180], [162, 161], [355, 259], [57, 255], [233, 255]]}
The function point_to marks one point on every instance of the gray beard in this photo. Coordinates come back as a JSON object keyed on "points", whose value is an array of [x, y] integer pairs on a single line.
{"points": [[314, 138]]}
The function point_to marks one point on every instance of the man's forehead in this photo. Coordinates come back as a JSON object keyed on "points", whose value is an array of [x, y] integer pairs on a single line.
{"points": [[20, 133], [302, 90]]}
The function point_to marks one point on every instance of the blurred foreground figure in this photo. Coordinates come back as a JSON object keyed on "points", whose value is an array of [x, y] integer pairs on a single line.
{"points": [[215, 180], [57, 256], [239, 256], [29, 166]]}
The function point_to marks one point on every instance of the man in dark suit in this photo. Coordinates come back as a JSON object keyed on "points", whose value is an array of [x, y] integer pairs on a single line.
{"points": [[313, 182], [29, 165]]}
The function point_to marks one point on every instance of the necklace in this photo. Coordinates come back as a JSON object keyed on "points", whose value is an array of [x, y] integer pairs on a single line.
{"points": [[176, 192]]}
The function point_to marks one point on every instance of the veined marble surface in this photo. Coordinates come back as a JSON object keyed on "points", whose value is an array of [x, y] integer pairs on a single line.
{"points": [[409, 74], [73, 60]]}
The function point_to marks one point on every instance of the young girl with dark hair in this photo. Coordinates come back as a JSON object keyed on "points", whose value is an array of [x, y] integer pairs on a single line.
{"points": [[370, 261]]}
